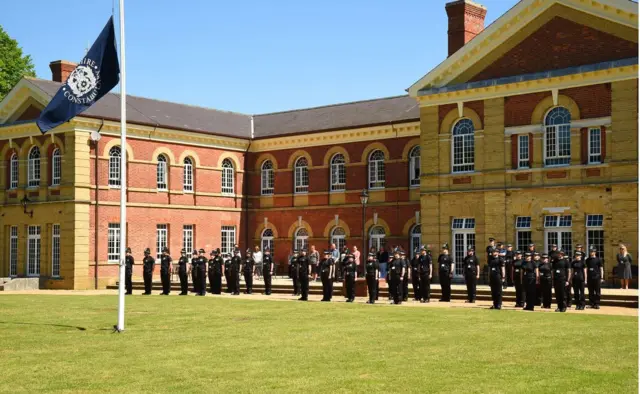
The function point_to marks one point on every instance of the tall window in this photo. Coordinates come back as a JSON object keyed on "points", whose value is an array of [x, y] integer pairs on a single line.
{"points": [[301, 175], [188, 175], [227, 177], [113, 242], [187, 238], [13, 251], [268, 178], [414, 166], [161, 173], [377, 238], [339, 237], [13, 182], [56, 167], [463, 146], [376, 170], [34, 167], [523, 151], [415, 239], [267, 239], [595, 146], [114, 166], [55, 251], [557, 230], [33, 251], [523, 232], [338, 173], [228, 237], [463, 231], [162, 233], [557, 137], [301, 240], [595, 233]]}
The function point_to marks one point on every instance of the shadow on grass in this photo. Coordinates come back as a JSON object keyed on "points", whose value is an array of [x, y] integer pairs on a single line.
{"points": [[44, 324]]}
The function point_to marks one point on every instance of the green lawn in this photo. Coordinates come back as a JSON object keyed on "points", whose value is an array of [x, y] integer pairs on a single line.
{"points": [[193, 344]]}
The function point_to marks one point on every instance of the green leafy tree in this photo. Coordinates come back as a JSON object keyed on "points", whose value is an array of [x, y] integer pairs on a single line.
{"points": [[13, 63]]}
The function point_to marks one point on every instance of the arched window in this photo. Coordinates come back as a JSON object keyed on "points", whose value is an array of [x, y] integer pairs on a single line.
{"points": [[377, 237], [415, 238], [268, 178], [227, 177], [376, 170], [414, 166], [338, 173], [267, 239], [301, 175], [114, 166], [34, 167], [188, 175], [338, 237], [301, 240], [161, 173], [13, 173], [56, 167], [557, 137], [463, 146]]}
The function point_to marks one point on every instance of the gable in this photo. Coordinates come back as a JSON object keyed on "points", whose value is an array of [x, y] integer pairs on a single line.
{"points": [[29, 110]]}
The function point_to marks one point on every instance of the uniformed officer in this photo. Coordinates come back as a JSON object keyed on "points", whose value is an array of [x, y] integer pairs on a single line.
{"points": [[218, 269], [183, 268], [227, 273], [560, 280], [445, 272], [516, 268], [496, 278], [414, 274], [234, 272], [532, 249], [129, 262], [508, 264], [595, 274], [426, 270], [293, 273], [471, 274], [350, 276], [211, 270], [544, 270], [248, 266], [396, 273], [580, 249], [148, 265], [405, 278], [578, 275], [202, 273], [537, 262], [304, 272], [327, 274], [530, 275], [372, 274], [166, 268], [267, 270], [490, 247], [194, 272], [553, 253], [567, 289]]}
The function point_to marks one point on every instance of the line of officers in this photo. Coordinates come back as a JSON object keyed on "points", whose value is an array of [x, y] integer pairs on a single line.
{"points": [[231, 265]]}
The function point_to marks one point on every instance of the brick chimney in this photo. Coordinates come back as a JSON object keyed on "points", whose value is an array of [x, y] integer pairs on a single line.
{"points": [[60, 70], [466, 20]]}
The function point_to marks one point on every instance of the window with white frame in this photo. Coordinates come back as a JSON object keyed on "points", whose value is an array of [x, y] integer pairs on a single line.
{"points": [[463, 146], [338, 237], [557, 230], [463, 231], [228, 237], [13, 181], [377, 238], [595, 146], [595, 234], [34, 167], [113, 242], [114, 166], [227, 177], [301, 240], [187, 184], [162, 233], [414, 166], [557, 137], [268, 178], [523, 232], [161, 173], [55, 250], [187, 238], [463, 223], [523, 151], [267, 239], [338, 173], [376, 170], [33, 251], [415, 239], [56, 167], [301, 175], [13, 251]]}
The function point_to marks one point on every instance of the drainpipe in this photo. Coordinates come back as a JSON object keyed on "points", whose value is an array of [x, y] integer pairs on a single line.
{"points": [[245, 188]]}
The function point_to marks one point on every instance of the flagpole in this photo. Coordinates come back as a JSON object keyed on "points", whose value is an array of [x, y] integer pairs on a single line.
{"points": [[123, 172]]}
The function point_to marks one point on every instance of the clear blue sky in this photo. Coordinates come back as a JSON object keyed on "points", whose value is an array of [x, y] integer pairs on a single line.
{"points": [[250, 56]]}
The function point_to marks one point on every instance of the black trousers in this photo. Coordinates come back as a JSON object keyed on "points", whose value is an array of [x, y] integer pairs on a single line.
{"points": [[165, 277], [202, 280], [127, 280], [561, 298], [567, 295], [594, 291], [236, 284], [509, 274], [578, 291], [184, 281], [210, 275], [445, 283], [216, 286], [395, 289], [267, 282], [545, 289], [327, 287], [405, 288], [350, 283], [372, 287], [296, 283], [248, 280], [470, 280], [304, 285], [425, 287], [496, 290], [415, 283], [148, 277], [519, 292], [194, 279], [227, 279], [530, 283]]}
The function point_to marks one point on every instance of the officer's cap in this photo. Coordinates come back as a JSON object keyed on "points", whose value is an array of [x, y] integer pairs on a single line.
{"points": [[303, 251], [372, 255], [350, 255], [509, 246], [267, 249], [554, 245], [545, 256], [212, 253], [216, 251], [326, 251], [518, 252], [491, 239], [471, 249], [147, 251], [128, 250], [527, 254], [592, 248], [536, 253], [201, 251], [532, 245], [183, 251], [248, 250], [195, 251], [579, 246], [165, 250], [499, 243], [560, 251], [445, 246], [495, 250], [578, 253]]}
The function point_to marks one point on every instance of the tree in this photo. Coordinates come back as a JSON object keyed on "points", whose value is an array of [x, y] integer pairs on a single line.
{"points": [[13, 63]]}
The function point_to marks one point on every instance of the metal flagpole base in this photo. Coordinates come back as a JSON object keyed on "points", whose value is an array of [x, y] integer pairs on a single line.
{"points": [[116, 329]]}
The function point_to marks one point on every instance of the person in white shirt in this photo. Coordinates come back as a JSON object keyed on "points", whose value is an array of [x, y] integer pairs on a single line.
{"points": [[257, 258]]}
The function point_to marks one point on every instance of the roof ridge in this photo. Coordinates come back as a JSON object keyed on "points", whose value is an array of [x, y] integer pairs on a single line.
{"points": [[332, 105]]}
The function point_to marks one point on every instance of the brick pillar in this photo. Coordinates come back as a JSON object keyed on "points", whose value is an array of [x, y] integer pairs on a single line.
{"points": [[60, 70], [466, 20]]}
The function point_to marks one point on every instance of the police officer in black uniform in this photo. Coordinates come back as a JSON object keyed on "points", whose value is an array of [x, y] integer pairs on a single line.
{"points": [[227, 273], [267, 270], [327, 274], [560, 280], [202, 273], [595, 274], [248, 266], [426, 270], [166, 268], [183, 268], [194, 271], [516, 268], [372, 274], [508, 264], [544, 270], [218, 268], [567, 289], [405, 278], [234, 272], [445, 272], [129, 262], [529, 275], [471, 274], [293, 273], [578, 275], [414, 273], [210, 269], [496, 278], [537, 262], [148, 265], [304, 271], [396, 273], [350, 276], [490, 247]]}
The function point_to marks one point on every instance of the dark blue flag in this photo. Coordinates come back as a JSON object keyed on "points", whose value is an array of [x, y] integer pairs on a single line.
{"points": [[94, 77]]}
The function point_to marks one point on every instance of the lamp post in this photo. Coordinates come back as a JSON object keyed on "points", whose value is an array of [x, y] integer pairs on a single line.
{"points": [[25, 200], [364, 197]]}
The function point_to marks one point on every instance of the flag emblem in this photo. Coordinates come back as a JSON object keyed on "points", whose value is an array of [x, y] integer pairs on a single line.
{"points": [[82, 81]]}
